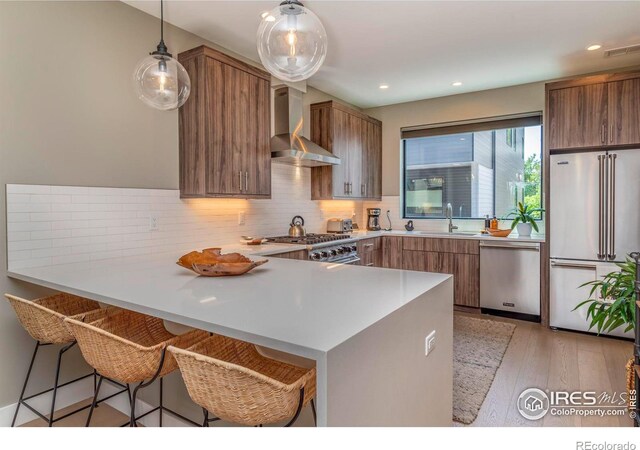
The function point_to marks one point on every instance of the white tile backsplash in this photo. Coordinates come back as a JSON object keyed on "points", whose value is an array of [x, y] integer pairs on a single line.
{"points": [[63, 224]]}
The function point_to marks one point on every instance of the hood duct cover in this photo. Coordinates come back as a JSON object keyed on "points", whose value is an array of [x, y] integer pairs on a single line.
{"points": [[288, 146]]}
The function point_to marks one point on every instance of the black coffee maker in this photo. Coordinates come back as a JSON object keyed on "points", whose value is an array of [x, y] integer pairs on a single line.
{"points": [[373, 222]]}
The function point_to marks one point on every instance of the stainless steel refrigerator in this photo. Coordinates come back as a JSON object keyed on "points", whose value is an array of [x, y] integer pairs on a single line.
{"points": [[594, 222]]}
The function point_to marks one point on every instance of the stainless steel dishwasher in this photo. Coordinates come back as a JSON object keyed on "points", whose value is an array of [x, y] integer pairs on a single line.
{"points": [[510, 278]]}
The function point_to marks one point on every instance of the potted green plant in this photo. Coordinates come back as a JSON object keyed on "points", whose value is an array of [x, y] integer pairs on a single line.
{"points": [[612, 299], [523, 219], [612, 305]]}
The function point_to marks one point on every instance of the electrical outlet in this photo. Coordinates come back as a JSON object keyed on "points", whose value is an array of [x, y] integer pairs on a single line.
{"points": [[241, 218], [153, 223], [429, 343]]}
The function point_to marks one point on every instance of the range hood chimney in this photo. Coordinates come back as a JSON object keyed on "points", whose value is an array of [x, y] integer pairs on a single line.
{"points": [[288, 146]]}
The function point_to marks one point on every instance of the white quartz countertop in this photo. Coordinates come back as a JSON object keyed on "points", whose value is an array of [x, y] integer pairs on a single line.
{"points": [[456, 235], [301, 307]]}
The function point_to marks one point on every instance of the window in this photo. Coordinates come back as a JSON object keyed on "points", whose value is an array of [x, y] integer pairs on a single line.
{"points": [[482, 168]]}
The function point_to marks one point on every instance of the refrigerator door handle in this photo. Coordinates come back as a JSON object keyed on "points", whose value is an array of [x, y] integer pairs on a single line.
{"points": [[601, 225], [574, 265], [611, 247]]}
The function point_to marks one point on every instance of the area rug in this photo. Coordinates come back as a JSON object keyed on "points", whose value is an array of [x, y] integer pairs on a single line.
{"points": [[478, 348]]}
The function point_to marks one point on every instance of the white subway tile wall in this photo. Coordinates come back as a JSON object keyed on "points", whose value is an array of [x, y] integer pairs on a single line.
{"points": [[48, 225]]}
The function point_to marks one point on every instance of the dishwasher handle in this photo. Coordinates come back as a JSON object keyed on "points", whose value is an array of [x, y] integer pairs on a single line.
{"points": [[511, 246]]}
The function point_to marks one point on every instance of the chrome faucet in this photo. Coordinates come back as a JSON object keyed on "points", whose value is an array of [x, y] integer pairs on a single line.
{"points": [[449, 215]]}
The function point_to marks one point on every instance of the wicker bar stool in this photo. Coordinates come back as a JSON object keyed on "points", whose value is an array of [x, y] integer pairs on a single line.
{"points": [[131, 347], [43, 319], [231, 380]]}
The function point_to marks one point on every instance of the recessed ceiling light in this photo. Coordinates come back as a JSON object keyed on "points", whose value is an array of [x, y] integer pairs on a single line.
{"points": [[594, 47], [456, 83], [384, 86]]}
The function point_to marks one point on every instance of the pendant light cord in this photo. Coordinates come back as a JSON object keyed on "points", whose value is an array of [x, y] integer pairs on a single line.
{"points": [[162, 48]]}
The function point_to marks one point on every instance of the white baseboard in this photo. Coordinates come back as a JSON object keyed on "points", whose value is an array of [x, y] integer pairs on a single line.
{"points": [[67, 395], [121, 403], [82, 390]]}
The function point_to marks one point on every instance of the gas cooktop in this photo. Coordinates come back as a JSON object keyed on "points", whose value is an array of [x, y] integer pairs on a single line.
{"points": [[309, 239]]}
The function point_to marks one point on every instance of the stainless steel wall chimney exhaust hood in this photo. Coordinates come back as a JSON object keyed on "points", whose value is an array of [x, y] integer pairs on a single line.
{"points": [[288, 146]]}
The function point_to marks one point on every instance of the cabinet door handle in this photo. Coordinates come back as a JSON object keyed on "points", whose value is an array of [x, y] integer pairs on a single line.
{"points": [[361, 189], [611, 249], [344, 187], [611, 134], [246, 181], [350, 188], [602, 133], [240, 179], [366, 189]]}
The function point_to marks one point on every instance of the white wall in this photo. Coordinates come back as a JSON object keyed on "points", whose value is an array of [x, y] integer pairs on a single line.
{"points": [[474, 105], [69, 116]]}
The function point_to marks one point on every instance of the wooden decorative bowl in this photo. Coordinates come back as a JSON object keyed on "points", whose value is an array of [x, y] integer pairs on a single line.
{"points": [[499, 233], [211, 263]]}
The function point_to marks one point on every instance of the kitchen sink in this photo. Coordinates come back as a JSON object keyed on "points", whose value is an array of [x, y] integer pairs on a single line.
{"points": [[444, 233]]}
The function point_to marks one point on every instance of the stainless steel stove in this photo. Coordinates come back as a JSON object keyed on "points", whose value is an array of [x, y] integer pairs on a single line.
{"points": [[309, 239], [339, 249]]}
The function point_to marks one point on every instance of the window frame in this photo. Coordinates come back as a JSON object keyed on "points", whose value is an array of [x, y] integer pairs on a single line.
{"points": [[476, 125]]}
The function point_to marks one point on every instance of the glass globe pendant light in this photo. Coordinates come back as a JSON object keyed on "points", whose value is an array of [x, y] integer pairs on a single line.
{"points": [[160, 81], [292, 42]]}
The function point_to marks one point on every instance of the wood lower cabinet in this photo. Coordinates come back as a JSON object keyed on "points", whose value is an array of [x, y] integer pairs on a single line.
{"points": [[458, 257], [600, 112], [224, 128], [392, 252], [466, 272], [356, 139], [370, 252], [301, 255], [423, 261]]}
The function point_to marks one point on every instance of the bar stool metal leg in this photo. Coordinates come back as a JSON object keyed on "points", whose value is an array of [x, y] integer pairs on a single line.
{"points": [[26, 381], [160, 421], [313, 410], [55, 385], [95, 399], [300, 402], [132, 422]]}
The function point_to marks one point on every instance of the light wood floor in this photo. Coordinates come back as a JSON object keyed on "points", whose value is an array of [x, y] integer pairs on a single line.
{"points": [[557, 360], [536, 357], [103, 416]]}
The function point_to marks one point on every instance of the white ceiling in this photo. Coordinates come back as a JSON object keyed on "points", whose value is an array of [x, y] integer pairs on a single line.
{"points": [[420, 47]]}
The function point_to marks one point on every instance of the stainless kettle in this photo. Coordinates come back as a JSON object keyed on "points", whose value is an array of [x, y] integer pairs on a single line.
{"points": [[296, 228]]}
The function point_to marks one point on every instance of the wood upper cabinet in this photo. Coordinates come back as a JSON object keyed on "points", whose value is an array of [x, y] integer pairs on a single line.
{"points": [[624, 112], [371, 186], [597, 112], [356, 139], [224, 128], [577, 116]]}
